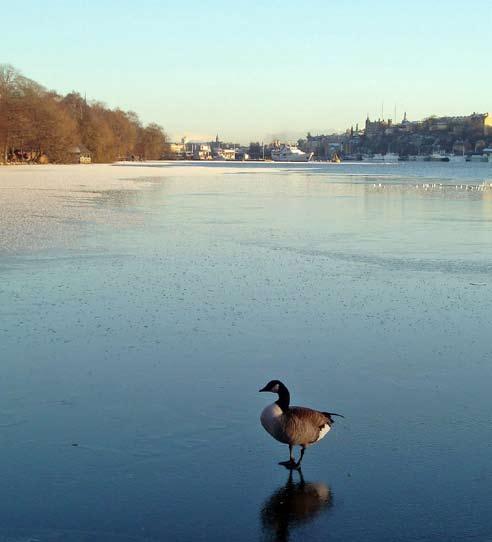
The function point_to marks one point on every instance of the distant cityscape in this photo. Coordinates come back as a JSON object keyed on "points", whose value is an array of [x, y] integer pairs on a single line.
{"points": [[434, 138], [38, 125]]}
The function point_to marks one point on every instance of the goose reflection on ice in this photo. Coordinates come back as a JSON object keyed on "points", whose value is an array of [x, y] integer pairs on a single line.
{"points": [[294, 504]]}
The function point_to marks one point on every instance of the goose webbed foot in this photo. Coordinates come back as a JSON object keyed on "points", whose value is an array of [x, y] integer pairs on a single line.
{"points": [[290, 464]]}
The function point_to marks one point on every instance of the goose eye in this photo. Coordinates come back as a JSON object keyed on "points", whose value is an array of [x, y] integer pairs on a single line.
{"points": [[275, 388]]}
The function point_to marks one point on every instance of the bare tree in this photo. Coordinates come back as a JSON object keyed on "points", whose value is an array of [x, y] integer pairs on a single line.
{"points": [[151, 143]]}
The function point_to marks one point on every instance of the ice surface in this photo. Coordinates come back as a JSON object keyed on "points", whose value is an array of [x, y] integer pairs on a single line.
{"points": [[142, 306]]}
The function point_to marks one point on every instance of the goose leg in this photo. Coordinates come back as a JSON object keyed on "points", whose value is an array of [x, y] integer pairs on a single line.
{"points": [[292, 462], [303, 449]]}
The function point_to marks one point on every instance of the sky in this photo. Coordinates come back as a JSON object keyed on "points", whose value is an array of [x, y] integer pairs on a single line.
{"points": [[252, 71]]}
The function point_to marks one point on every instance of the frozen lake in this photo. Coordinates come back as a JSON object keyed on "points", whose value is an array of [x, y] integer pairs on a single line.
{"points": [[143, 306]]}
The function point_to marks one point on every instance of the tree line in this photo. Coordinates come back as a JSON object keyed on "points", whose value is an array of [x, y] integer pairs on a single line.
{"points": [[37, 124]]}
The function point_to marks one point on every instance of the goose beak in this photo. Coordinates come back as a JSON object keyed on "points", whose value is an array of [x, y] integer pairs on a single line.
{"points": [[263, 389]]}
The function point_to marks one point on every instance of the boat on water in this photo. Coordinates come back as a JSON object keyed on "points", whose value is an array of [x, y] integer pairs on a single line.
{"points": [[437, 157], [476, 157], [488, 153], [391, 157], [455, 158], [388, 158], [352, 157], [290, 153], [434, 157]]}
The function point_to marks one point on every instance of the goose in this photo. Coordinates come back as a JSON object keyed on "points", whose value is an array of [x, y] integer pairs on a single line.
{"points": [[293, 425]]}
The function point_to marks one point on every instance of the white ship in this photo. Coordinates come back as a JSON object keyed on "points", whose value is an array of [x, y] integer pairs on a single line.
{"points": [[455, 158], [290, 153], [388, 158], [476, 157], [488, 154], [437, 157]]}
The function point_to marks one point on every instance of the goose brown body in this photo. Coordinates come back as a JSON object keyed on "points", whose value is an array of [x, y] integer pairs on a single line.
{"points": [[298, 426], [305, 426]]}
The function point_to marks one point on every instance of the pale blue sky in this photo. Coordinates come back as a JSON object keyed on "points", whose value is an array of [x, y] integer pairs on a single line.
{"points": [[252, 69]]}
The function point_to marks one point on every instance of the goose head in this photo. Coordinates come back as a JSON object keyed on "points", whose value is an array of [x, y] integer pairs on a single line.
{"points": [[274, 386]]}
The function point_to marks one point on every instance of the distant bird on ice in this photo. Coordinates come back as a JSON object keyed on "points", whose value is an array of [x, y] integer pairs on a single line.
{"points": [[293, 425]]}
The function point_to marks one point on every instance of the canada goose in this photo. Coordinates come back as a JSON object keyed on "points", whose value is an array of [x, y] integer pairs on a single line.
{"points": [[293, 425]]}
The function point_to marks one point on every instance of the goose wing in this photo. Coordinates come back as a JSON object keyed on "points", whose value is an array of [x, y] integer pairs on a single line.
{"points": [[303, 425]]}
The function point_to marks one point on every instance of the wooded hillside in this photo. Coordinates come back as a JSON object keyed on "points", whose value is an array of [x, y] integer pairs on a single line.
{"points": [[41, 125]]}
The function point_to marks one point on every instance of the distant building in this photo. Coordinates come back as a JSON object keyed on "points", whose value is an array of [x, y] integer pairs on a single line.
{"points": [[80, 154], [460, 147], [376, 128], [322, 146], [439, 125], [223, 150], [242, 154], [226, 154], [485, 122], [406, 125], [458, 135], [177, 151], [479, 124], [198, 151]]}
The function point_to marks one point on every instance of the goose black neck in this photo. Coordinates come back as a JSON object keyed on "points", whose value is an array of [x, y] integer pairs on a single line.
{"points": [[283, 398]]}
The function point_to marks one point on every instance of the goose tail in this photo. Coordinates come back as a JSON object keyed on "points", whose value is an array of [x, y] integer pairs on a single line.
{"points": [[330, 414]]}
